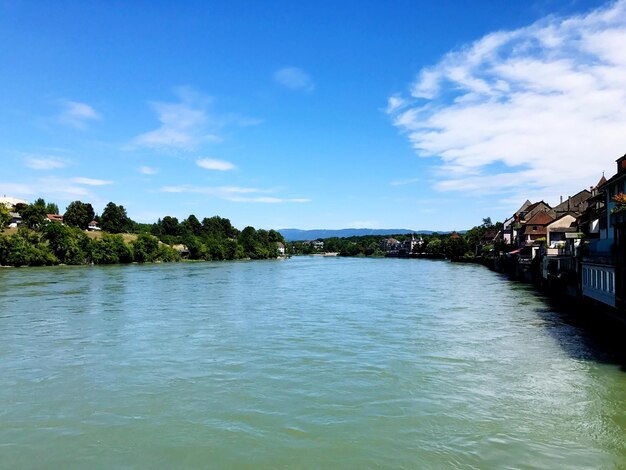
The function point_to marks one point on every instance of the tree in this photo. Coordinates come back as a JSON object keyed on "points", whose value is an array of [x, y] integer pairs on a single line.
{"points": [[5, 217], [33, 215], [114, 219], [170, 226], [78, 214], [69, 244], [192, 225], [434, 246], [455, 247], [52, 208]]}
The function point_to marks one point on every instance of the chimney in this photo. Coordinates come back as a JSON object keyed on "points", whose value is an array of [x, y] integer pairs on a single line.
{"points": [[561, 199]]}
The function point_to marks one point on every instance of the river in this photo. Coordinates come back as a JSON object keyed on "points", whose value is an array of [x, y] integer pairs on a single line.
{"points": [[303, 363]]}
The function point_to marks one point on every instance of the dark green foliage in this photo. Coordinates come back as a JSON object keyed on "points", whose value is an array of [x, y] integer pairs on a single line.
{"points": [[70, 245], [52, 208], [5, 217], [115, 220], [33, 215], [192, 226], [78, 214], [110, 249], [170, 226], [25, 249], [455, 247]]}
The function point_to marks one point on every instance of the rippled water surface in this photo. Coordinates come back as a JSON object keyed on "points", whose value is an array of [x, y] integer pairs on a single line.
{"points": [[304, 363]]}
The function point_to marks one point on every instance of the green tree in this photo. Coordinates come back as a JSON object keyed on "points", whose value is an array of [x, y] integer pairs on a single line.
{"points": [[114, 219], [69, 244], [434, 246], [170, 226], [33, 215], [110, 249], [455, 247], [5, 217], [192, 225], [52, 208], [145, 248], [78, 214]]}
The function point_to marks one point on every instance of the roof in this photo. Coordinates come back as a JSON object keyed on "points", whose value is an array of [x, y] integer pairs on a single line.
{"points": [[455, 235], [93, 222], [573, 214], [55, 217], [540, 218], [601, 182]]}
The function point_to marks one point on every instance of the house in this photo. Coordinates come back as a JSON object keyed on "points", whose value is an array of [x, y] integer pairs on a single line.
{"points": [[390, 244], [510, 226], [513, 225], [93, 226], [575, 204], [281, 248], [16, 219], [11, 202], [593, 221], [54, 218], [535, 228], [557, 229], [604, 265]]}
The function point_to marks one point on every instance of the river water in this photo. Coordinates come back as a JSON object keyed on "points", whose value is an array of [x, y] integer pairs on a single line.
{"points": [[303, 363]]}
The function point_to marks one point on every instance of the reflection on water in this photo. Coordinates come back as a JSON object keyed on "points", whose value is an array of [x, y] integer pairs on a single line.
{"points": [[305, 363]]}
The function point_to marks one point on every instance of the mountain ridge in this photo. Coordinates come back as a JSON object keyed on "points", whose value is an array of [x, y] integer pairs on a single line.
{"points": [[294, 234]]}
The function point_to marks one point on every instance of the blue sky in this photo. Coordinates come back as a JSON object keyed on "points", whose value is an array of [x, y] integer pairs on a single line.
{"points": [[277, 114]]}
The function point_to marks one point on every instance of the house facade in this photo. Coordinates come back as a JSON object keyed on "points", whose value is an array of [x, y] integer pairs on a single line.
{"points": [[604, 265]]}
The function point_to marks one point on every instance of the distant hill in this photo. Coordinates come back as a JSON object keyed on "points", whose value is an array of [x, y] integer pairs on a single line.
{"points": [[294, 234]]}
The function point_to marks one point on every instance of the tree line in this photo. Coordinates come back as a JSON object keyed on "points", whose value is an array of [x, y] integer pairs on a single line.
{"points": [[39, 241], [454, 246]]}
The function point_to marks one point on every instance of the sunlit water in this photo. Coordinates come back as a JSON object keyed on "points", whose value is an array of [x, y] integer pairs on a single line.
{"points": [[304, 363]]}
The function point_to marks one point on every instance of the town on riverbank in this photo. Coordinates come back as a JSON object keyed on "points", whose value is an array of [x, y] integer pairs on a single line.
{"points": [[575, 248]]}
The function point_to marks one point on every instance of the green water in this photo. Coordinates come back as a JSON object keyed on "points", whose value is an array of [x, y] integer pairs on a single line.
{"points": [[304, 363]]}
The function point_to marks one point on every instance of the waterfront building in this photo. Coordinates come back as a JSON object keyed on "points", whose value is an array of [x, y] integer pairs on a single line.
{"points": [[604, 265]]}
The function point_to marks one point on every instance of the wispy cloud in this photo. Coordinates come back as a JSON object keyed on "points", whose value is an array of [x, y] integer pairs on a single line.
{"points": [[542, 104], [214, 164], [90, 181], [53, 188], [77, 115], [41, 162], [404, 182], [294, 78], [147, 170], [184, 125], [233, 193]]}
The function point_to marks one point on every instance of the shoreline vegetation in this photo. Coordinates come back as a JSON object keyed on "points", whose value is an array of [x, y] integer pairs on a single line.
{"points": [[41, 242]]}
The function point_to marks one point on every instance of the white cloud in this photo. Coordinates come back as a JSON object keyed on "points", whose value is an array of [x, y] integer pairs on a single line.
{"points": [[90, 181], [294, 78], [17, 189], [232, 193], [267, 199], [538, 109], [214, 164], [41, 162], [147, 170], [184, 125], [404, 182], [77, 115]]}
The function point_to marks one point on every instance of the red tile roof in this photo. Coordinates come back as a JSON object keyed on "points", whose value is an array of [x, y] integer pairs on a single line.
{"points": [[540, 218]]}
